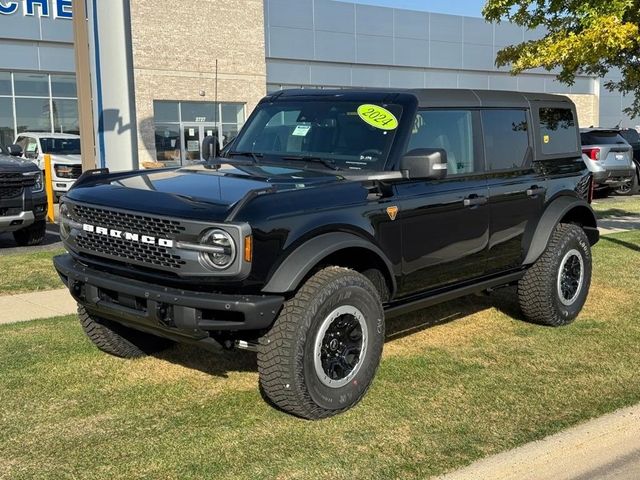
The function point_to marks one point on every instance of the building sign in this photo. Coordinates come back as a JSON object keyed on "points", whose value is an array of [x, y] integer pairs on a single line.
{"points": [[40, 8]]}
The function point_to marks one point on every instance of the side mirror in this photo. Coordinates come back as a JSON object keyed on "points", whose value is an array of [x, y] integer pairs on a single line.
{"points": [[15, 150], [210, 147], [425, 163]]}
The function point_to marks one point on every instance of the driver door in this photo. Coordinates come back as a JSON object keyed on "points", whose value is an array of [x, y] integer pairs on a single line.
{"points": [[445, 224]]}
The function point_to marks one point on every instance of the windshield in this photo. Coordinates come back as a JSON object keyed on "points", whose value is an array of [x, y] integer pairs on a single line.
{"points": [[350, 135], [61, 146]]}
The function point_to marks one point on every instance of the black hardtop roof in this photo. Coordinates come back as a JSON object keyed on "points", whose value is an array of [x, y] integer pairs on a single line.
{"points": [[427, 97]]}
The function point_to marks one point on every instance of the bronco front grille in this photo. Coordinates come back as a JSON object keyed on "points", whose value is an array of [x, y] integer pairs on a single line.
{"points": [[152, 255], [138, 252], [127, 221]]}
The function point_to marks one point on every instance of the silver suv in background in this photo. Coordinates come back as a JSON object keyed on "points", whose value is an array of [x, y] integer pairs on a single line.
{"points": [[632, 137], [608, 156]]}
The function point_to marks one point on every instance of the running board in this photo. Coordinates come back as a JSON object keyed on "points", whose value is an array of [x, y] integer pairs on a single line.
{"points": [[400, 307]]}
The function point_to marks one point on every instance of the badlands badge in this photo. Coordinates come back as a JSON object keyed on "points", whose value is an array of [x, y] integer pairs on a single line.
{"points": [[392, 212]]}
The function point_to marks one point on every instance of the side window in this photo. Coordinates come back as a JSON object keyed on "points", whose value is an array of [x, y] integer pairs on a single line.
{"points": [[32, 147], [558, 131], [506, 138], [451, 130]]}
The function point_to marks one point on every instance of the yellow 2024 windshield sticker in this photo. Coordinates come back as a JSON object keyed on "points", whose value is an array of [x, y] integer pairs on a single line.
{"points": [[378, 117]]}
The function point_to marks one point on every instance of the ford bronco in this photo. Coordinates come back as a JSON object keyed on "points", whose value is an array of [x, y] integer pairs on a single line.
{"points": [[329, 214]]}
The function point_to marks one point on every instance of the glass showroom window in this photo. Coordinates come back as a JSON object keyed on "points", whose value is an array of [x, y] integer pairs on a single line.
{"points": [[7, 131], [189, 122], [37, 102]]}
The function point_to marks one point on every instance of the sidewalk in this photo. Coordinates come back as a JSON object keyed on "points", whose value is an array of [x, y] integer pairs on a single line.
{"points": [[30, 306], [606, 448], [618, 224]]}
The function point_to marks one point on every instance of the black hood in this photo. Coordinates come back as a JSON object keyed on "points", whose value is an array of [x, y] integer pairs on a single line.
{"points": [[10, 164], [196, 192]]}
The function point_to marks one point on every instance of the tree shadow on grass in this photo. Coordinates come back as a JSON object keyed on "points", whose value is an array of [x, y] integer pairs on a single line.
{"points": [[614, 212], [220, 364], [622, 243]]}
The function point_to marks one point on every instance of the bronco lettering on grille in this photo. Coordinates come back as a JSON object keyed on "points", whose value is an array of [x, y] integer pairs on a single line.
{"points": [[131, 237]]}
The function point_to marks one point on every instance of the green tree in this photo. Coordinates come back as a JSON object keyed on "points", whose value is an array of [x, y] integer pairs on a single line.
{"points": [[582, 36]]}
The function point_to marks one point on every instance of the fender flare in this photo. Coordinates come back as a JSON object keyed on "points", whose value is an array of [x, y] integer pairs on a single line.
{"points": [[553, 214], [292, 271]]}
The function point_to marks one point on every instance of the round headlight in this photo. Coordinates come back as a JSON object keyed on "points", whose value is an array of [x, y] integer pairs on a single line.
{"points": [[222, 254], [65, 218]]}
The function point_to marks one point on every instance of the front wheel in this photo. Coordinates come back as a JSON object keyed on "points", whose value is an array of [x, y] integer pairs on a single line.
{"points": [[118, 340], [555, 288], [322, 353]]}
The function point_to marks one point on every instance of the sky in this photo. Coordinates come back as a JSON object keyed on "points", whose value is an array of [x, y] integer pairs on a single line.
{"points": [[470, 8]]}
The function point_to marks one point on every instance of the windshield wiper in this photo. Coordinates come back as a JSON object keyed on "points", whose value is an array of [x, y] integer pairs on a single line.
{"points": [[324, 161], [254, 156]]}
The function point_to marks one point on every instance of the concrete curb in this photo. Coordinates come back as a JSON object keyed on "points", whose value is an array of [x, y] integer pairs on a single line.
{"points": [[33, 305], [607, 447]]}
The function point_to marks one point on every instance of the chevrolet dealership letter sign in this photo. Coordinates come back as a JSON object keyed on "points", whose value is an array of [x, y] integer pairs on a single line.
{"points": [[41, 8]]}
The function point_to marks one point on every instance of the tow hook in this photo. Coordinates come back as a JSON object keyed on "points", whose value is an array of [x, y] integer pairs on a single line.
{"points": [[240, 345]]}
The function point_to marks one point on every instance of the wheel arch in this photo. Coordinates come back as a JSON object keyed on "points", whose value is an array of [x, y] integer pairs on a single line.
{"points": [[336, 248], [562, 210]]}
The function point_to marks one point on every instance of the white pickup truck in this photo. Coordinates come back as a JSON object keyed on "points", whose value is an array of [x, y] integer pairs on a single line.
{"points": [[64, 149]]}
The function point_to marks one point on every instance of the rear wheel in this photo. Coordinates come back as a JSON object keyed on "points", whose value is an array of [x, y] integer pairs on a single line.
{"points": [[555, 288], [629, 188], [118, 340], [31, 235], [321, 354]]}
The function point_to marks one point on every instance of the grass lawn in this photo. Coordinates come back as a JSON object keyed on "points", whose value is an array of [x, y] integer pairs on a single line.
{"points": [[28, 272], [457, 382], [617, 206]]}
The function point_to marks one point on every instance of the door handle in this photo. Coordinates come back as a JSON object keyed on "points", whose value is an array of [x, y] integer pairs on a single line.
{"points": [[474, 200], [535, 190]]}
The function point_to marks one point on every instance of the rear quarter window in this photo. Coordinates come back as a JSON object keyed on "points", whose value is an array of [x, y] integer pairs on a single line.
{"points": [[558, 131]]}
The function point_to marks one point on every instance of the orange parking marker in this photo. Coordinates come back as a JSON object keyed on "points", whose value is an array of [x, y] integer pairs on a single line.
{"points": [[48, 179]]}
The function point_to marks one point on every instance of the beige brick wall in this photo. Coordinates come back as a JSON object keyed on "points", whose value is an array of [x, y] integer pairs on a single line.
{"points": [[588, 107], [174, 54]]}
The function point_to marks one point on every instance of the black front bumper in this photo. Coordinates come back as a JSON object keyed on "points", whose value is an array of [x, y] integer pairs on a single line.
{"points": [[21, 211], [169, 312]]}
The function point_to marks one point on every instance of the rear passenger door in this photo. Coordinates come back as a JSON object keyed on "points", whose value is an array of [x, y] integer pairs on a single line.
{"points": [[444, 223], [516, 187]]}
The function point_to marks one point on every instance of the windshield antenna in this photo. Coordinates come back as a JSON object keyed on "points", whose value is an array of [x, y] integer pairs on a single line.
{"points": [[215, 114]]}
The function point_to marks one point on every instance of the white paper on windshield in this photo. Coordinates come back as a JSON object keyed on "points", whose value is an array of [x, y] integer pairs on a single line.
{"points": [[301, 130]]}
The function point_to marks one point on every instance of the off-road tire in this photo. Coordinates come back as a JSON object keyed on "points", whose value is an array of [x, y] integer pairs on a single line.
{"points": [[118, 340], [31, 235], [288, 375], [538, 291]]}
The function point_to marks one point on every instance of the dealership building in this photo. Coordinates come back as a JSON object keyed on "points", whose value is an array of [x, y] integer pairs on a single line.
{"points": [[163, 75]]}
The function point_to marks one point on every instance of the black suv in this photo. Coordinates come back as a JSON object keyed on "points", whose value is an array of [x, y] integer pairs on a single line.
{"points": [[329, 214], [23, 202]]}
